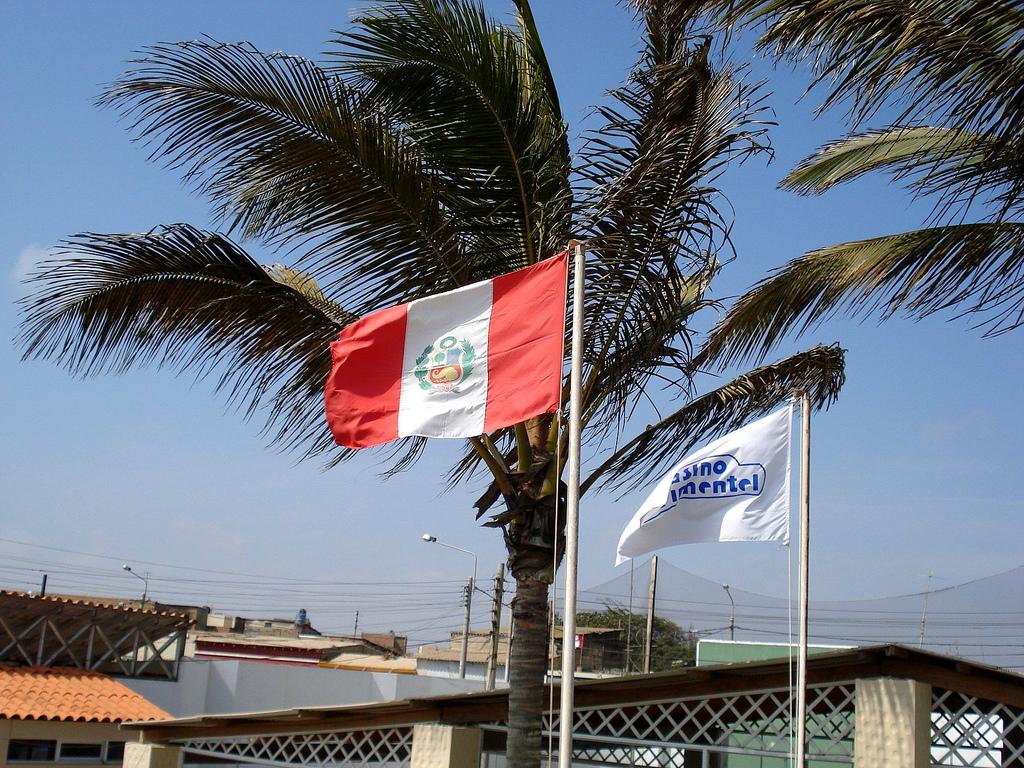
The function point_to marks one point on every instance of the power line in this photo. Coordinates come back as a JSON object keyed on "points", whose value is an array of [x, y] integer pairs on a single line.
{"points": [[177, 566]]}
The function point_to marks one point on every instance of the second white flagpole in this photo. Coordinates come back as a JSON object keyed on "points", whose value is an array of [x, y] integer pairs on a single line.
{"points": [[805, 551], [572, 518]]}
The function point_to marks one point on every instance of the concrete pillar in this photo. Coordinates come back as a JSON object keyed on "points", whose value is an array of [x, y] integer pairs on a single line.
{"points": [[439, 746], [893, 726], [5, 736], [138, 754]]}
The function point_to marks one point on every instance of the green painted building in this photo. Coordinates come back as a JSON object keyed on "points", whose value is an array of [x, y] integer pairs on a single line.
{"points": [[716, 652], [711, 652]]}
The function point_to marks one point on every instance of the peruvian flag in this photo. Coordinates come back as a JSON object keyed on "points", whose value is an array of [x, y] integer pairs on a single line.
{"points": [[458, 364]]}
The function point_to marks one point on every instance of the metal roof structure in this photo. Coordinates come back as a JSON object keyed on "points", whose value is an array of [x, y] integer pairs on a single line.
{"points": [[94, 634]]}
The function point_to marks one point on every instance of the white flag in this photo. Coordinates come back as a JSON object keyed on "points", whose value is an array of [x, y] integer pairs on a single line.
{"points": [[735, 489]]}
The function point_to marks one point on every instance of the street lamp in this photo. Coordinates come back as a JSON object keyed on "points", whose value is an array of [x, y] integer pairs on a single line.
{"points": [[732, 614], [427, 538], [145, 591], [143, 579]]}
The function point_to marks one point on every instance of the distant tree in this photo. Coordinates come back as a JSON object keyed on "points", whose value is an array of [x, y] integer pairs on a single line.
{"points": [[671, 647]]}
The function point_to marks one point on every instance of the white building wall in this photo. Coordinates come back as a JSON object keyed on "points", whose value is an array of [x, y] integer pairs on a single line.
{"points": [[223, 686], [450, 669], [185, 696]]}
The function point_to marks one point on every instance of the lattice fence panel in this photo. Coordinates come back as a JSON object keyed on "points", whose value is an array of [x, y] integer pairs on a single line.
{"points": [[383, 747], [648, 757], [969, 732], [753, 723]]}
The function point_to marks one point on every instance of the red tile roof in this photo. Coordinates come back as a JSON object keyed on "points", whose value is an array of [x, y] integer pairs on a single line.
{"points": [[59, 693]]}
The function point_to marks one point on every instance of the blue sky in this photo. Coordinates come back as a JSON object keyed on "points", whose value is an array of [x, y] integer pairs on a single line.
{"points": [[916, 468]]}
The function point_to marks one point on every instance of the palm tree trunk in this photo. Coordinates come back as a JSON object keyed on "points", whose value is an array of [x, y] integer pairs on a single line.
{"points": [[527, 667]]}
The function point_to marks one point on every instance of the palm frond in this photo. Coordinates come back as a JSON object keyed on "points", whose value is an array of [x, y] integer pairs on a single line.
{"points": [[291, 153], [654, 349], [956, 167], [974, 268], [903, 150], [541, 69], [479, 102], [193, 301], [470, 465], [650, 210], [818, 371], [958, 63]]}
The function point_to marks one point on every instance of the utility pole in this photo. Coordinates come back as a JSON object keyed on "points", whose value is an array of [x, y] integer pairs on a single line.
{"points": [[508, 649], [629, 620], [924, 613], [492, 657], [732, 613], [42, 587], [355, 629], [650, 614], [465, 629]]}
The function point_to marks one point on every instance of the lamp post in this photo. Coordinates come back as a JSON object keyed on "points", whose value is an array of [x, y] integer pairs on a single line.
{"points": [[143, 579], [469, 599], [732, 613]]}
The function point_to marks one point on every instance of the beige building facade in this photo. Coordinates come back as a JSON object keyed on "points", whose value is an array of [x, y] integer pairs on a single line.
{"points": [[60, 744]]}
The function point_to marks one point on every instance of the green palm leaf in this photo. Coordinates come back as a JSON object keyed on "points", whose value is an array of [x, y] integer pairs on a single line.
{"points": [[935, 151], [193, 301], [959, 63], [479, 101], [649, 212], [955, 166], [818, 371], [289, 152], [978, 266]]}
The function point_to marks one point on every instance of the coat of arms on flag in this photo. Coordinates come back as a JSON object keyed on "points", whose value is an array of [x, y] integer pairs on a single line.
{"points": [[444, 364]]}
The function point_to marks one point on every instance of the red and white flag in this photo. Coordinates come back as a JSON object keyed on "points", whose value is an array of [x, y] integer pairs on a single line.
{"points": [[458, 364]]}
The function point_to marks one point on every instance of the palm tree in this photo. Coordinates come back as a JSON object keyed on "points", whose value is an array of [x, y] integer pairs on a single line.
{"points": [[954, 74], [428, 153]]}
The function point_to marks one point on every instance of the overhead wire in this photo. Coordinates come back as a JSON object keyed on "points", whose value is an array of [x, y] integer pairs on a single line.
{"points": [[404, 602]]}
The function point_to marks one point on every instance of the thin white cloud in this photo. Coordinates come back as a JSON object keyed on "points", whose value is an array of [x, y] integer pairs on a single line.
{"points": [[27, 259]]}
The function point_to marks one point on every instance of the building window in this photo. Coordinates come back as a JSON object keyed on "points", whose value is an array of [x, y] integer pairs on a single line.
{"points": [[31, 751], [81, 752], [115, 752]]}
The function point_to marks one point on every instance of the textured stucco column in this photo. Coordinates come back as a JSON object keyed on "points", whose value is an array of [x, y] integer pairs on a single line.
{"points": [[444, 746], [138, 754], [5, 735], [893, 728]]}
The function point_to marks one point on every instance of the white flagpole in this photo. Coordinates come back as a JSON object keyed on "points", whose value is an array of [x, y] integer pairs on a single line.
{"points": [[805, 550], [572, 518]]}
